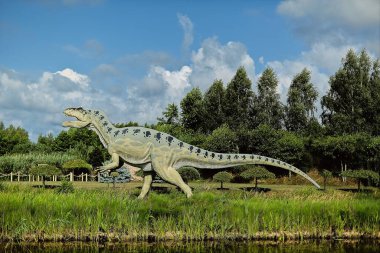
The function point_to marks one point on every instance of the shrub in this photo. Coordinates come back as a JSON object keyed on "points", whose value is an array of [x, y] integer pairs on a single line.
{"points": [[189, 174], [77, 166], [45, 170], [361, 174], [114, 175], [255, 173], [325, 174], [222, 177], [66, 187], [2, 186]]}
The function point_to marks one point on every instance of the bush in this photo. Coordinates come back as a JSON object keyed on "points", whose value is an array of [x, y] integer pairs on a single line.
{"points": [[66, 187], [325, 174], [44, 170], [189, 174], [78, 166], [255, 173], [361, 174], [222, 177], [2, 186]]}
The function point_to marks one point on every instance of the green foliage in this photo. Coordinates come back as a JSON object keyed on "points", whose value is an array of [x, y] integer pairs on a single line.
{"points": [[222, 140], [12, 139], [347, 107], [223, 176], [362, 174], [300, 103], [170, 115], [3, 187], [214, 104], [193, 113], [256, 172], [268, 107], [325, 174], [22, 162], [189, 174], [66, 187], [114, 174], [238, 99], [77, 166]]}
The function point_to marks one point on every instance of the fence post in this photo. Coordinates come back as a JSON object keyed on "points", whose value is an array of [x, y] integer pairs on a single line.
{"points": [[11, 177], [71, 177], [29, 177], [18, 176], [86, 177]]}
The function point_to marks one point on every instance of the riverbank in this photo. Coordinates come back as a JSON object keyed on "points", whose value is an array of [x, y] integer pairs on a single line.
{"points": [[115, 215]]}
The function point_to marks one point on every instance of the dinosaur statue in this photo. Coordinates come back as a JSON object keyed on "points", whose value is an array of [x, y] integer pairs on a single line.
{"points": [[161, 153]]}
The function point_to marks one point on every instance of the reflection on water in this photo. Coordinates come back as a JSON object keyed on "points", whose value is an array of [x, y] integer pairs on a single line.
{"points": [[212, 247]]}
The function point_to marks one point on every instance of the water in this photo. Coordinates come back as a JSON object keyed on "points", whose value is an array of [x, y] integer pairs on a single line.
{"points": [[211, 247]]}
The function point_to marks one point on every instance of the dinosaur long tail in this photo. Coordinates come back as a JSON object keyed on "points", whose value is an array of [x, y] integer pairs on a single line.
{"points": [[219, 160]]}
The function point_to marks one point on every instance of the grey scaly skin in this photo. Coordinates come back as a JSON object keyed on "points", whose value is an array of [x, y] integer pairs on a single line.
{"points": [[161, 153]]}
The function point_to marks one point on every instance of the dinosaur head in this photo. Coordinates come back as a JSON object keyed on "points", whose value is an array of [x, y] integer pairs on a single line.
{"points": [[83, 117]]}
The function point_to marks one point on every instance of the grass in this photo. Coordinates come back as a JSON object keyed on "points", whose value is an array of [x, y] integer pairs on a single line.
{"points": [[95, 212]]}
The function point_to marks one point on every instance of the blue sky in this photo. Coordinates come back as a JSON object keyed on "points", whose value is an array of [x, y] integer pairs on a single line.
{"points": [[132, 58]]}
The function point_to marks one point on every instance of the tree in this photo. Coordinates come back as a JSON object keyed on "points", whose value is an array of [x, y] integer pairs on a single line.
{"points": [[170, 115], [192, 110], [238, 99], [255, 173], [76, 166], [373, 110], [222, 177], [325, 174], [346, 103], [11, 137], [189, 174], [114, 175], [222, 140], [45, 170], [300, 103], [214, 103], [269, 109], [361, 174]]}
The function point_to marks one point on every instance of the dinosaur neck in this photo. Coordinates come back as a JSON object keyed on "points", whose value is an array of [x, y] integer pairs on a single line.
{"points": [[104, 128]]}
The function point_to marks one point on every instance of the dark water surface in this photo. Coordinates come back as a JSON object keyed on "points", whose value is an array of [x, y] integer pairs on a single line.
{"points": [[340, 246]]}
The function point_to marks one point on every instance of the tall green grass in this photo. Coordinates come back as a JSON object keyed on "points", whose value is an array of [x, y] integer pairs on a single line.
{"points": [[23, 162], [32, 214]]}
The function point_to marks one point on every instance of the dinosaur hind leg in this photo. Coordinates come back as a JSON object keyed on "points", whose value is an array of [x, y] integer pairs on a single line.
{"points": [[148, 179], [172, 176]]}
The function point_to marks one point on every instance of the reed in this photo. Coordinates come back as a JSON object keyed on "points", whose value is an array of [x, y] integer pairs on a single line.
{"points": [[106, 214]]}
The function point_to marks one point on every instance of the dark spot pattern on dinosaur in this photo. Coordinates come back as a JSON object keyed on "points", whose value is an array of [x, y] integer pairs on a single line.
{"points": [[125, 131], [136, 131], [212, 155], [236, 157], [243, 157], [169, 139], [252, 157], [109, 129], [101, 117], [191, 149], [180, 144], [266, 159], [158, 136], [206, 154], [220, 157], [229, 157], [116, 133], [105, 123], [147, 134], [96, 112]]}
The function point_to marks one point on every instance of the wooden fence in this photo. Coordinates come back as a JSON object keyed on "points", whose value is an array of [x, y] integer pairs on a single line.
{"points": [[18, 177]]}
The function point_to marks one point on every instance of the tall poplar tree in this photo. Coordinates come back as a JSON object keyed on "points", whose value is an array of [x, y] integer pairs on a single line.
{"points": [[193, 110], [373, 112], [239, 96], [346, 103], [300, 103], [269, 109], [214, 102]]}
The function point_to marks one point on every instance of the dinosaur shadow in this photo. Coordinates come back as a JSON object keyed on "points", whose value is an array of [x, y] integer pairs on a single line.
{"points": [[159, 189], [255, 189], [356, 190], [46, 187]]}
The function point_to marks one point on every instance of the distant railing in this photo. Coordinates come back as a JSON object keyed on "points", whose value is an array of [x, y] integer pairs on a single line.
{"points": [[18, 177]]}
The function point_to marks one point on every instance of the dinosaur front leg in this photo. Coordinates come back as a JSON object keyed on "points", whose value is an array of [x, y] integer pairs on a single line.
{"points": [[148, 179], [115, 159]]}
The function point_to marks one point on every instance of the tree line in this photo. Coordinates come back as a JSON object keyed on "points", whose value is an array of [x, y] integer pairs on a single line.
{"points": [[233, 118]]}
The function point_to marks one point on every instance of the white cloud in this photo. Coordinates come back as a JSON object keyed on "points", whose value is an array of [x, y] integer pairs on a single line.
{"points": [[75, 77], [90, 49], [215, 61], [352, 13], [261, 59], [187, 27]]}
